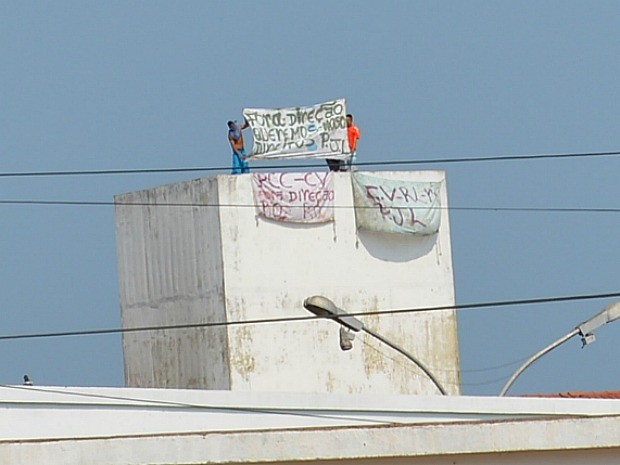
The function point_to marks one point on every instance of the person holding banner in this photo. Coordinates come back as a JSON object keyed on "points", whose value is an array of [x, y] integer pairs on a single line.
{"points": [[354, 134], [239, 154]]}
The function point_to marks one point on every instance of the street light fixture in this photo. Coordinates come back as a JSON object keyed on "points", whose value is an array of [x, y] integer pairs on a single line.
{"points": [[325, 308], [585, 329]]}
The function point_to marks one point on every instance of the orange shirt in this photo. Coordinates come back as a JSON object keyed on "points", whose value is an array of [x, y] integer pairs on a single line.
{"points": [[354, 135]]}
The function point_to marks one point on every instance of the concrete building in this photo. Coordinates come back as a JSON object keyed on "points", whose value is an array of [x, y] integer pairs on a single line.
{"points": [[98, 426], [210, 258]]}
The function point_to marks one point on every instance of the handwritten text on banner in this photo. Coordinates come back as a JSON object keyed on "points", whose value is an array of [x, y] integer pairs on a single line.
{"points": [[294, 197], [390, 205], [319, 131]]}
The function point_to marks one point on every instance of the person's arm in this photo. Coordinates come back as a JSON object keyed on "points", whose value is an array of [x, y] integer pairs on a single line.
{"points": [[245, 124]]}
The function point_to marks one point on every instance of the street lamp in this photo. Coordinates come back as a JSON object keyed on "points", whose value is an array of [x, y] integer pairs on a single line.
{"points": [[585, 329], [325, 308]]}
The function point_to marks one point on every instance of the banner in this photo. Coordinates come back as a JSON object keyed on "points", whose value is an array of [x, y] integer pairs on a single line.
{"points": [[319, 131], [294, 197], [396, 206]]}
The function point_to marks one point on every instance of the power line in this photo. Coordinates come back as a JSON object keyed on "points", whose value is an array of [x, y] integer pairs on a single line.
{"points": [[497, 367], [109, 203], [487, 382], [284, 411], [309, 165], [406, 365], [471, 306], [332, 413]]}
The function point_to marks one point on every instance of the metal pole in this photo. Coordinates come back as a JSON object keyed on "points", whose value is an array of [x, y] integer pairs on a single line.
{"points": [[323, 307], [408, 355], [536, 356]]}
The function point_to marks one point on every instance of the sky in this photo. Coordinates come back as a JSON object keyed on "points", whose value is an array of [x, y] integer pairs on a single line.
{"points": [[140, 85]]}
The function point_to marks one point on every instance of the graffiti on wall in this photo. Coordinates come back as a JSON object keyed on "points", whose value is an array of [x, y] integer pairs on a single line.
{"points": [[390, 205], [294, 197]]}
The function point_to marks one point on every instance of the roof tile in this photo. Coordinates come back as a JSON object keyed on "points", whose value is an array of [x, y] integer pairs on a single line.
{"points": [[581, 395]]}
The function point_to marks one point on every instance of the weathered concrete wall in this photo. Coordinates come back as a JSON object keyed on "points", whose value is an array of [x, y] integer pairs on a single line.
{"points": [[47, 412], [112, 426], [265, 269], [170, 268], [199, 449]]}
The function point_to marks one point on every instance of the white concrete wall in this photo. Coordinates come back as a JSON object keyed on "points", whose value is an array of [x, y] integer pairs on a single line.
{"points": [[325, 447], [48, 412], [111, 426], [265, 270]]}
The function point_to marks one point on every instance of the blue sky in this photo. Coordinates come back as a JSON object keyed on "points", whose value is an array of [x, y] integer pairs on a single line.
{"points": [[130, 85]]}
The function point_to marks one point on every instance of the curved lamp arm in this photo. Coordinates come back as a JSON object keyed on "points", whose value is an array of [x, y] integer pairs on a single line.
{"points": [[586, 330], [409, 356], [325, 308], [535, 357]]}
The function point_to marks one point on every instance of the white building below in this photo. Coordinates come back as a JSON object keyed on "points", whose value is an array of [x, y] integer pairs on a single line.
{"points": [[110, 426]]}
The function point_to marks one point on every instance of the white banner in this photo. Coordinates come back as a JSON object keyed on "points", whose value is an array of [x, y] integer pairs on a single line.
{"points": [[319, 131], [390, 205], [294, 197]]}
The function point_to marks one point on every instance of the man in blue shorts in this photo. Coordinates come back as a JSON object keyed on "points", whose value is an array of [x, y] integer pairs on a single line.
{"points": [[236, 142]]}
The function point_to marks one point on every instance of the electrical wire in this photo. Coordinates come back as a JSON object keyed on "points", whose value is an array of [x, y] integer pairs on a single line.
{"points": [[291, 411], [299, 411], [309, 165], [488, 382], [104, 203], [384, 163], [471, 306], [496, 367], [406, 365]]}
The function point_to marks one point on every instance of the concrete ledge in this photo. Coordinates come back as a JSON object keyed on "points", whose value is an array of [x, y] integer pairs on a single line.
{"points": [[490, 441], [60, 412]]}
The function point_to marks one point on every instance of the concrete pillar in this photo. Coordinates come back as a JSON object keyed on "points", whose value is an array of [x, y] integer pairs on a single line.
{"points": [[215, 260]]}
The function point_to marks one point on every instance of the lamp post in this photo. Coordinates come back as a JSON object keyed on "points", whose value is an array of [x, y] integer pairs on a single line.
{"points": [[585, 329], [325, 308]]}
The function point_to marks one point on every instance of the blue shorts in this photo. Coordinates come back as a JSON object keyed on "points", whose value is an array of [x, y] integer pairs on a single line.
{"points": [[240, 166]]}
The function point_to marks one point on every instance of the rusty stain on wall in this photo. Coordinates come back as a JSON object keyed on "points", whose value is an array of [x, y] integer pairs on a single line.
{"points": [[242, 360]]}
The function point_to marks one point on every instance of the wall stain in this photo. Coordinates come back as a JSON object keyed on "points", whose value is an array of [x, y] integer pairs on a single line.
{"points": [[242, 360]]}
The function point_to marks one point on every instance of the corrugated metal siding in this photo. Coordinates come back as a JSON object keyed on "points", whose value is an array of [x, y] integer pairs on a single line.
{"points": [[170, 273]]}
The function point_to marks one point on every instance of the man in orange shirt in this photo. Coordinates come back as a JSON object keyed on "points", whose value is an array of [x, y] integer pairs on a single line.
{"points": [[354, 134]]}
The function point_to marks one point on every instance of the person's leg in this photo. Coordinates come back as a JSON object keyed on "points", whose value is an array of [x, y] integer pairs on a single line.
{"points": [[237, 167], [245, 166], [334, 165], [351, 162]]}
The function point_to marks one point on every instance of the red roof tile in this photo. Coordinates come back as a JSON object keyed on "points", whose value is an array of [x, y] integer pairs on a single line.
{"points": [[582, 395]]}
